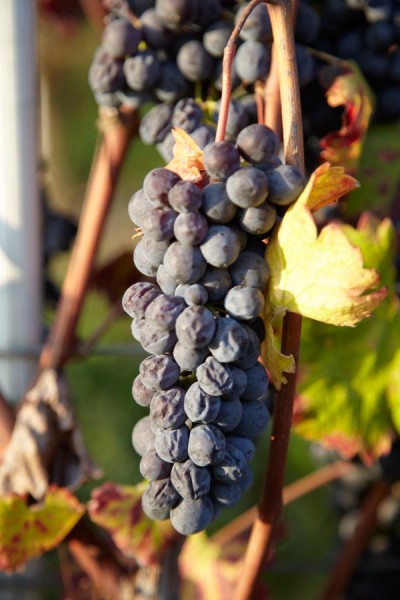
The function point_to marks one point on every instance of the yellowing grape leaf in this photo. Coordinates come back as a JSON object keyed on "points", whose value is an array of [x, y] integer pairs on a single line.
{"points": [[351, 90], [118, 509], [28, 531], [320, 276], [188, 157], [210, 571], [349, 385]]}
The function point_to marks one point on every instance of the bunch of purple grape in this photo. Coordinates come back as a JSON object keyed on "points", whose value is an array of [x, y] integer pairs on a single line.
{"points": [[203, 382], [171, 48]]}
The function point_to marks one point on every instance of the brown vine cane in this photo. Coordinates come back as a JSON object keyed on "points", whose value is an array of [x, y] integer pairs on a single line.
{"points": [[270, 504]]}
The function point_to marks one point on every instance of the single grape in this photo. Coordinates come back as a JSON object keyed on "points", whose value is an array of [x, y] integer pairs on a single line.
{"points": [[247, 187], [142, 71], [159, 372], [120, 38], [137, 298], [152, 467], [189, 358], [255, 418], [195, 326], [239, 381], [217, 206], [250, 270], [158, 499], [164, 311], [257, 220], [214, 377], [193, 61], [252, 61], [191, 516], [203, 135], [171, 85], [228, 340], [175, 14], [138, 207], [258, 143], [158, 183], [172, 444], [232, 468], [158, 223], [189, 480], [257, 382], [244, 302], [185, 264], [155, 340], [155, 124], [166, 408], [229, 414], [216, 37], [201, 407], [224, 495], [140, 392], [143, 436], [148, 255], [244, 444], [155, 34], [206, 445], [185, 197], [105, 74], [250, 350], [221, 159], [166, 282], [187, 114], [257, 26], [195, 295], [285, 185], [190, 228], [221, 246]]}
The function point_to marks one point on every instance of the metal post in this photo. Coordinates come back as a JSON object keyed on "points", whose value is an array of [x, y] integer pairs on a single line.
{"points": [[20, 215]]}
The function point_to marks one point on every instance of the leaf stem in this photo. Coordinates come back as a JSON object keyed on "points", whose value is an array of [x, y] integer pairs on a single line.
{"points": [[270, 504], [107, 162]]}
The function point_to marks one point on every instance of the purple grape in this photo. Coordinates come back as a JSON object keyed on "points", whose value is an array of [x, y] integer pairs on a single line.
{"points": [[255, 418], [155, 340], [190, 228], [166, 282], [232, 468], [159, 372], [228, 341], [201, 407], [142, 71], [158, 183], [244, 444], [195, 295], [191, 516], [252, 61], [120, 38], [171, 85], [257, 220], [164, 311], [216, 37], [166, 408], [137, 298], [206, 445], [158, 499], [193, 61], [285, 185], [258, 143], [221, 159], [152, 467], [138, 207], [105, 74], [185, 197], [225, 495], [172, 444], [143, 436], [257, 382], [148, 255], [158, 223], [189, 480], [175, 14], [187, 114], [156, 124], [214, 377], [250, 270], [141, 393], [221, 246], [195, 327], [217, 206], [229, 414], [244, 302], [217, 283], [189, 358], [185, 264]]}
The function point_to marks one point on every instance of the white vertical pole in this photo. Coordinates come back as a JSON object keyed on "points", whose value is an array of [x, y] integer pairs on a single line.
{"points": [[20, 215]]}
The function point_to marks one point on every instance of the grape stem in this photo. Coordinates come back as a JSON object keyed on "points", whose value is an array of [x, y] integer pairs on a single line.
{"points": [[270, 504], [347, 561], [107, 163]]}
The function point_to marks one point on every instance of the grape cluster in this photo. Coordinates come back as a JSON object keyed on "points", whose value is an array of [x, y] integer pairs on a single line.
{"points": [[165, 53], [367, 31], [203, 383]]}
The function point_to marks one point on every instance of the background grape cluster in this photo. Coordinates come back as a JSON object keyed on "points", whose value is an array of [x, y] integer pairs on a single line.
{"points": [[203, 383]]}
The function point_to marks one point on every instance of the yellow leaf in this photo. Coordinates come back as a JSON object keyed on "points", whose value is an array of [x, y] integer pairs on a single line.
{"points": [[318, 276], [276, 362], [188, 157]]}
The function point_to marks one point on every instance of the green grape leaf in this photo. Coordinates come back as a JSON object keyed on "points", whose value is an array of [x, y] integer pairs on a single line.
{"points": [[118, 509], [26, 531], [350, 90], [349, 385], [320, 276]]}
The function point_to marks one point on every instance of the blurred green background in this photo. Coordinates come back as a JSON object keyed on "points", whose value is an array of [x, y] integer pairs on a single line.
{"points": [[101, 385]]}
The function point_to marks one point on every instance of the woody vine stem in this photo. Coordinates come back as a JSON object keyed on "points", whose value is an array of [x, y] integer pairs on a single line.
{"points": [[270, 504]]}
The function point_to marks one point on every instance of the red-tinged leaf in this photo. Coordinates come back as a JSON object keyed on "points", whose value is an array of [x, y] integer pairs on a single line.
{"points": [[28, 531], [118, 509], [344, 147], [113, 278], [188, 157]]}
